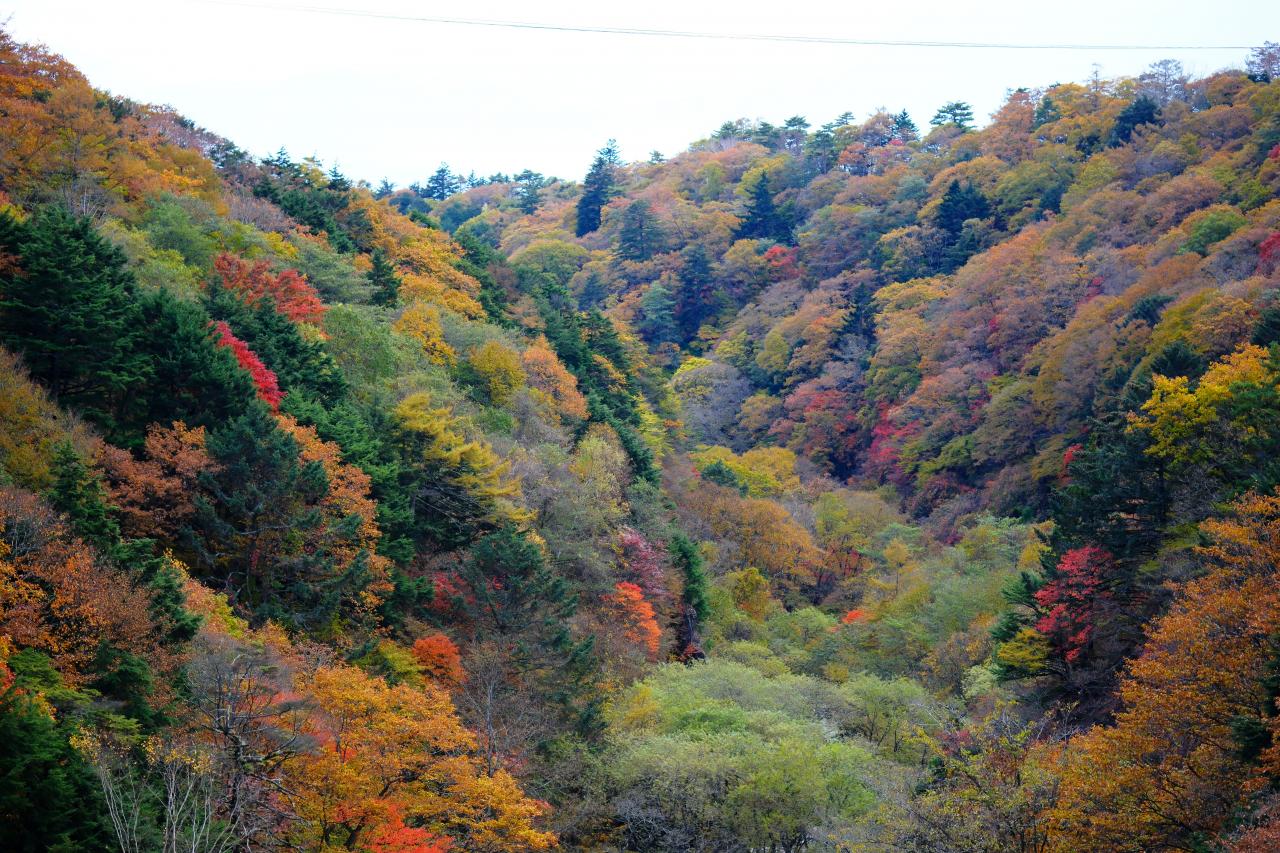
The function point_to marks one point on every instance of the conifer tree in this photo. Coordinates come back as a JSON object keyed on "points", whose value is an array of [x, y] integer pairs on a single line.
{"points": [[1143, 110], [695, 604], [657, 315], [953, 112], [961, 202], [67, 306], [695, 302], [597, 188], [192, 379], [640, 237], [79, 494], [383, 279], [529, 186], [762, 220]]}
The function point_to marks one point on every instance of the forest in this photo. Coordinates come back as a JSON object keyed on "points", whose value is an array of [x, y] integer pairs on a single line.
{"points": [[859, 486]]}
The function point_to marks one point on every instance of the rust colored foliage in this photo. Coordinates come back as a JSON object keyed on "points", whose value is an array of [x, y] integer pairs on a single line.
{"points": [[263, 378], [154, 495], [628, 609], [1171, 771], [56, 598], [289, 292], [440, 660]]}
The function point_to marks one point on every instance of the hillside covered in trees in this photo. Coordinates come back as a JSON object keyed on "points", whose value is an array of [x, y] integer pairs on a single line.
{"points": [[852, 487]]}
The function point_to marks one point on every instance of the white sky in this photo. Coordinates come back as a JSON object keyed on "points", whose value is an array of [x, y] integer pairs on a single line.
{"points": [[393, 99]]}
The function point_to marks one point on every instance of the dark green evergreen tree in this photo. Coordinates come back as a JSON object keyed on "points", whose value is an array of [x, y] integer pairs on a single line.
{"points": [[383, 279], [953, 112], [50, 798], [254, 509], [597, 188], [67, 306], [516, 598], [696, 300], [1142, 110], [761, 220], [640, 236], [686, 560], [443, 183], [78, 494], [191, 378], [1046, 112], [960, 203], [485, 264], [593, 290], [904, 128], [657, 314], [529, 186]]}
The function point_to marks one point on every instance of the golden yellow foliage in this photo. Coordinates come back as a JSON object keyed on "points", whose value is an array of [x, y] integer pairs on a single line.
{"points": [[421, 322]]}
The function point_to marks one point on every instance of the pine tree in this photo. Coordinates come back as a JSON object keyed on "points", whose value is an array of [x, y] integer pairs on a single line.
{"points": [[383, 279], [257, 506], [695, 301], [954, 112], [67, 307], [640, 236], [762, 220], [529, 190], [192, 379], [1046, 112], [657, 313], [597, 188], [904, 128], [78, 493], [443, 183], [960, 203], [695, 604], [1142, 111]]}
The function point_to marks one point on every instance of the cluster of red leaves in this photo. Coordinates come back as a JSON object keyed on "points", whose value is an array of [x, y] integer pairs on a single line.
{"points": [[782, 263], [887, 438], [394, 836], [1072, 599], [440, 660], [1067, 458], [263, 378], [1269, 253], [857, 614], [288, 291], [643, 562]]}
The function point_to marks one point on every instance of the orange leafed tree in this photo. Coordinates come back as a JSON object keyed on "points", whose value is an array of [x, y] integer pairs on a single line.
{"points": [[154, 495], [627, 608], [440, 660], [1171, 770], [391, 754], [549, 375], [57, 599]]}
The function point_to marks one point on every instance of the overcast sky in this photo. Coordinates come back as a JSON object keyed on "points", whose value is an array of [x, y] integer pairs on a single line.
{"points": [[394, 98]]}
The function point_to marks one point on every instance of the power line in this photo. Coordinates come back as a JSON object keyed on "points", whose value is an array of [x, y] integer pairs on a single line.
{"points": [[694, 34]]}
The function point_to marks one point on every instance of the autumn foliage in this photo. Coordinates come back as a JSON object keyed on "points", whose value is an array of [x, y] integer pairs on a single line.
{"points": [[263, 378], [629, 610], [288, 291]]}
